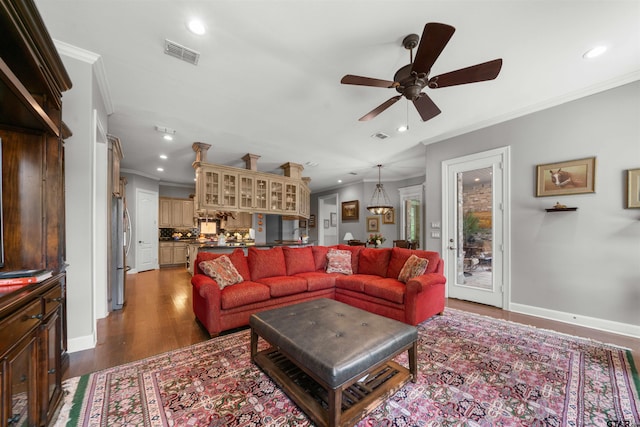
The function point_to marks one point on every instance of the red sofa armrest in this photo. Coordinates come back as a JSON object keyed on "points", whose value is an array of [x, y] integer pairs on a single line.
{"points": [[422, 283], [206, 302]]}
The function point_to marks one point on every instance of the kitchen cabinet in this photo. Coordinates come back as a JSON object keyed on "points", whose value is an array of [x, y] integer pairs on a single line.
{"points": [[222, 188], [172, 253], [243, 220], [175, 213]]}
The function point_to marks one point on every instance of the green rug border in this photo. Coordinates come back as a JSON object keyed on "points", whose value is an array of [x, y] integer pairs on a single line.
{"points": [[634, 371], [78, 398]]}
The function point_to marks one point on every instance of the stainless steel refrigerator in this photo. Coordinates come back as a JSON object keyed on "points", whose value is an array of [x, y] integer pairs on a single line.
{"points": [[120, 243]]}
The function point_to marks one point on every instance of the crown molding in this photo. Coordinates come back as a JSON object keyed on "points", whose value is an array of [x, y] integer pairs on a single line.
{"points": [[97, 65]]}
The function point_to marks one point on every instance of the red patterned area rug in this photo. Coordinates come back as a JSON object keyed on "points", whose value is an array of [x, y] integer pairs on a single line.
{"points": [[473, 371]]}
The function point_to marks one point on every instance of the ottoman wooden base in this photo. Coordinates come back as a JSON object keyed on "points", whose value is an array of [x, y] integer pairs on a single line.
{"points": [[333, 360], [355, 400]]}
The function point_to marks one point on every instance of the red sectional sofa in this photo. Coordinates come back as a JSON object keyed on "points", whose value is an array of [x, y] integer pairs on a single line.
{"points": [[282, 276]]}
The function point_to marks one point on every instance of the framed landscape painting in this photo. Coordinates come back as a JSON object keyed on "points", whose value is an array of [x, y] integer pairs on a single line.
{"points": [[564, 178], [350, 210]]}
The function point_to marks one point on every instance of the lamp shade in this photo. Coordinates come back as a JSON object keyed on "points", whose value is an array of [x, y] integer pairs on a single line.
{"points": [[347, 236]]}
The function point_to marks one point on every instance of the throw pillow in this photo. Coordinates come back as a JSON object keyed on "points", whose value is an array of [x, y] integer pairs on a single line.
{"points": [[222, 271], [339, 261], [414, 266]]}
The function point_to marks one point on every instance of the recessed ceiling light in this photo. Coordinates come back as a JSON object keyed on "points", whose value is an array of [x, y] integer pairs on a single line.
{"points": [[160, 169], [168, 137], [402, 128], [594, 52], [339, 181], [196, 27], [163, 156]]}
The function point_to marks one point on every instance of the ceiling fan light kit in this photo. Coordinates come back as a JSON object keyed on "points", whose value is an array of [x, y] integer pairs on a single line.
{"points": [[379, 203], [411, 79]]}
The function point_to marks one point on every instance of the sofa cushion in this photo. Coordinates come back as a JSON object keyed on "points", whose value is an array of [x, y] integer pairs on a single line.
{"points": [[317, 280], [299, 260], [281, 286], [400, 255], [355, 252], [354, 282], [266, 263], [374, 261], [320, 257], [414, 266], [237, 258], [339, 262], [222, 271], [243, 293], [387, 289]]}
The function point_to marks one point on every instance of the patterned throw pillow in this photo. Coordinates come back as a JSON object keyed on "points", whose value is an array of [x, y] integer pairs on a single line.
{"points": [[222, 271], [413, 266], [339, 261]]}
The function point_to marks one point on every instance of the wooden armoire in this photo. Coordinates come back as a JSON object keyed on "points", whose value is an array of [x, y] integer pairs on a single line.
{"points": [[33, 316]]}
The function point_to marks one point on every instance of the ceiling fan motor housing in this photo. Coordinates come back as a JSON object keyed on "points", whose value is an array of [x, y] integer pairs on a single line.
{"points": [[411, 83]]}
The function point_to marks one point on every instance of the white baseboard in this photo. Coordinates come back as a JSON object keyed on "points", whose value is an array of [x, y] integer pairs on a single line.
{"points": [[81, 343], [578, 319]]}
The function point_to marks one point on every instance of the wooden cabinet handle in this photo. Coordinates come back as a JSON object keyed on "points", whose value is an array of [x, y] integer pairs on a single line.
{"points": [[35, 316], [58, 299]]}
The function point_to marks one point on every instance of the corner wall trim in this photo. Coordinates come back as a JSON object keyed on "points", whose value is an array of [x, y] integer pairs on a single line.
{"points": [[578, 319], [81, 343]]}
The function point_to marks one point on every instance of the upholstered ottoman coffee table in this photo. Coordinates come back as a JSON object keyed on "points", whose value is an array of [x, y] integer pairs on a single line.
{"points": [[333, 360]]}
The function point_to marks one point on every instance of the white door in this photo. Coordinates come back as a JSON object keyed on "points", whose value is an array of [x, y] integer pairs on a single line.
{"points": [[475, 230], [146, 230]]}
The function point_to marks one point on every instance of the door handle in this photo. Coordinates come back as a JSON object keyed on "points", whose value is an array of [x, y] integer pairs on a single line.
{"points": [[453, 248]]}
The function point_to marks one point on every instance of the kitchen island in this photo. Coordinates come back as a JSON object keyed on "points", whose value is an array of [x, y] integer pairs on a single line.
{"points": [[195, 246]]}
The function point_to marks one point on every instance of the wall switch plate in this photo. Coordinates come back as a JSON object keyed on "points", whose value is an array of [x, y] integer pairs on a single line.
{"points": [[435, 234], [435, 225]]}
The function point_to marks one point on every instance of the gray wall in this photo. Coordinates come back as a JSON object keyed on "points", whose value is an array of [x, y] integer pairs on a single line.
{"points": [[586, 262]]}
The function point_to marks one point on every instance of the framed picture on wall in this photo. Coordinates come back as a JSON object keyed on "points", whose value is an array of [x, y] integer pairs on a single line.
{"points": [[565, 178], [350, 210], [312, 221], [302, 223], [389, 217], [373, 224], [633, 188]]}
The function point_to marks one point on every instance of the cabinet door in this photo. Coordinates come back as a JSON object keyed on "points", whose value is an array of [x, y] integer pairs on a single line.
{"points": [[187, 213], [303, 202], [211, 188], [179, 253], [276, 194], [50, 351], [247, 191], [165, 213], [21, 378], [229, 190], [166, 253], [176, 213], [261, 194], [291, 198]]}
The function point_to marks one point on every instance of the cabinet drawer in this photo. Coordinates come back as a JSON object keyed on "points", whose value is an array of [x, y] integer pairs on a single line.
{"points": [[52, 299], [14, 327]]}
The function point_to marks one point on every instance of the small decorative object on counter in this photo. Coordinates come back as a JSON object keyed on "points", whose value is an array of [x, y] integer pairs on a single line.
{"points": [[221, 239]]}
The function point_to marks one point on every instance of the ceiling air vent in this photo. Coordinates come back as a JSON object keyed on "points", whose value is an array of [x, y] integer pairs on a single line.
{"points": [[380, 135], [181, 52]]}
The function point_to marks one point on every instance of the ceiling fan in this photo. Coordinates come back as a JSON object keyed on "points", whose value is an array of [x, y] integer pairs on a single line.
{"points": [[411, 79]]}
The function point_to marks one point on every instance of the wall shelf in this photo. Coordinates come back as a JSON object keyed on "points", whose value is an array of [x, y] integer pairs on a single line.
{"points": [[561, 209]]}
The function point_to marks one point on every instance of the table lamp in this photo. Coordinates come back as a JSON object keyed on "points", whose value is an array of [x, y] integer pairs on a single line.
{"points": [[347, 236]]}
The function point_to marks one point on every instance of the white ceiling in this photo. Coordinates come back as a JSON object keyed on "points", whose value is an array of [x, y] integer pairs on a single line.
{"points": [[268, 79]]}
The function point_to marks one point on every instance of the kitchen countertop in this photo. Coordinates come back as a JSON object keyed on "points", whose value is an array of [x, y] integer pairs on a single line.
{"points": [[214, 244]]}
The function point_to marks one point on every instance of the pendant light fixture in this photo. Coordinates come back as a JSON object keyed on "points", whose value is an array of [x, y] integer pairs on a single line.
{"points": [[379, 203]]}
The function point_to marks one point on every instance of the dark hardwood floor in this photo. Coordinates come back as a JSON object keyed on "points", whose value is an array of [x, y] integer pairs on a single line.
{"points": [[157, 317]]}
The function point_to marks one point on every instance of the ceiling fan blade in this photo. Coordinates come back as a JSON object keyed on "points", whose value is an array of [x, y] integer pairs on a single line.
{"points": [[426, 107], [366, 81], [434, 38], [379, 109], [475, 73]]}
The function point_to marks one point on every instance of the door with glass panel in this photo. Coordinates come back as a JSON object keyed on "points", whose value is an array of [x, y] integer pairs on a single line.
{"points": [[474, 227]]}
